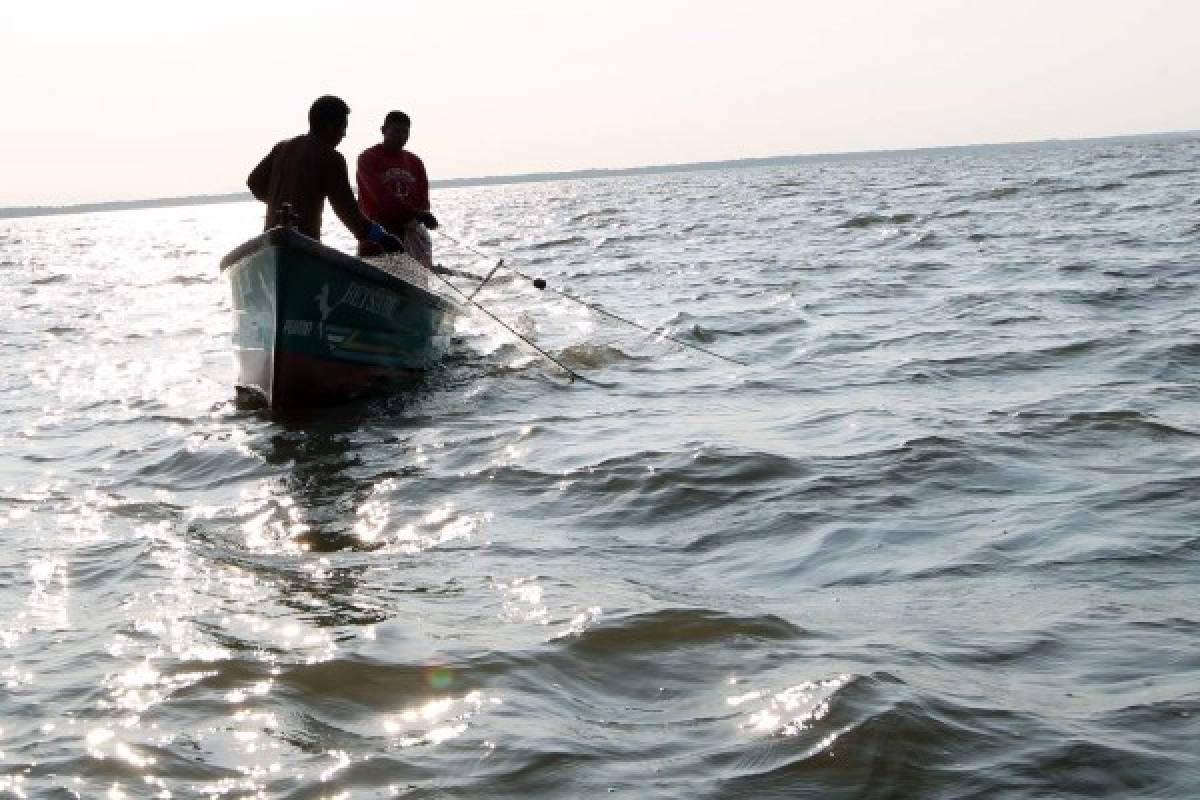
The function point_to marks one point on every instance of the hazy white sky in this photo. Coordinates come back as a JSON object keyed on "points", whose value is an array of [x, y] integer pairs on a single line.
{"points": [[125, 99]]}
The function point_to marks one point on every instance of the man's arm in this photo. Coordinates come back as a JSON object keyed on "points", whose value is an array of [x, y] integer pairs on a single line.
{"points": [[341, 197], [421, 201], [424, 215], [259, 181]]}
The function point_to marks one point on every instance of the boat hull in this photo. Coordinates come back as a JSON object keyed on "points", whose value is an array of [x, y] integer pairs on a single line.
{"points": [[314, 326]]}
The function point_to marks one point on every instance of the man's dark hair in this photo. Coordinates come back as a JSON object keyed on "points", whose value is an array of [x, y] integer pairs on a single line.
{"points": [[327, 111], [397, 117]]}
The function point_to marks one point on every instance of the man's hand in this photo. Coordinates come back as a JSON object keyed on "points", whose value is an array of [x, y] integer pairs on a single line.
{"points": [[427, 219], [385, 240], [391, 244]]}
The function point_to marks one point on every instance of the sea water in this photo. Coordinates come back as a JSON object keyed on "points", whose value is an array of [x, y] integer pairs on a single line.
{"points": [[939, 539]]}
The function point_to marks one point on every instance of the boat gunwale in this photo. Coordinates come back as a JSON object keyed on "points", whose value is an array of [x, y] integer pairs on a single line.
{"points": [[288, 238]]}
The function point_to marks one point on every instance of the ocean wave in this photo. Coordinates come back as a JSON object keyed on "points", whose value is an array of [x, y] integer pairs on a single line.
{"points": [[47, 280], [997, 193], [952, 749], [1180, 356], [181, 468], [1115, 297], [192, 280], [596, 214], [593, 356], [650, 486], [628, 238], [871, 220], [554, 244], [1155, 495], [1158, 173], [670, 628], [999, 362], [1017, 319], [925, 239], [1103, 187], [1123, 422]]}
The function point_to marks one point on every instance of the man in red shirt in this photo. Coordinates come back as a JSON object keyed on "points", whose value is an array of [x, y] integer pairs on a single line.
{"points": [[305, 171], [393, 188]]}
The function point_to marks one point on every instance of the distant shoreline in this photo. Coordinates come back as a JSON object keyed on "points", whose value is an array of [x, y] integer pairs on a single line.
{"points": [[587, 174]]}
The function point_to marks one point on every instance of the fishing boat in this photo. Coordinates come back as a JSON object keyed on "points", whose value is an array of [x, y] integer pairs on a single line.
{"points": [[314, 326]]}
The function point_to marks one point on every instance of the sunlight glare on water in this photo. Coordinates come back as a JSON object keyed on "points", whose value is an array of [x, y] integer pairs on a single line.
{"points": [[940, 529]]}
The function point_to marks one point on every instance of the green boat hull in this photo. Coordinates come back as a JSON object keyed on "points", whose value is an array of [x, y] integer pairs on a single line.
{"points": [[314, 326]]}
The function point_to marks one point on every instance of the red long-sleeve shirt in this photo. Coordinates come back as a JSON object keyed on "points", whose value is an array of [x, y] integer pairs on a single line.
{"points": [[391, 186]]}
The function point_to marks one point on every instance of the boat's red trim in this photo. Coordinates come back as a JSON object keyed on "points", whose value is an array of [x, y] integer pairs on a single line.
{"points": [[302, 380]]}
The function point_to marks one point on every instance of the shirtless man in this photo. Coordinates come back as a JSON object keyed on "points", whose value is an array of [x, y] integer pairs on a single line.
{"points": [[393, 188], [307, 169]]}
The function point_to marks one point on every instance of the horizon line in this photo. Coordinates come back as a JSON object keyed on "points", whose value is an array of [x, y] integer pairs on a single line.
{"points": [[10, 212]]}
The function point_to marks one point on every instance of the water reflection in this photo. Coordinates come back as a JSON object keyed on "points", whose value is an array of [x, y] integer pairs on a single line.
{"points": [[438, 720], [789, 711], [342, 478], [310, 540], [313, 506]]}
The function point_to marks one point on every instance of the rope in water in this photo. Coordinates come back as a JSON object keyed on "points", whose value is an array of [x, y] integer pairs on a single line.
{"points": [[440, 275], [540, 283]]}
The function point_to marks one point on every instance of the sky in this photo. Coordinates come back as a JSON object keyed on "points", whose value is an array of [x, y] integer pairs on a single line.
{"points": [[126, 100]]}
